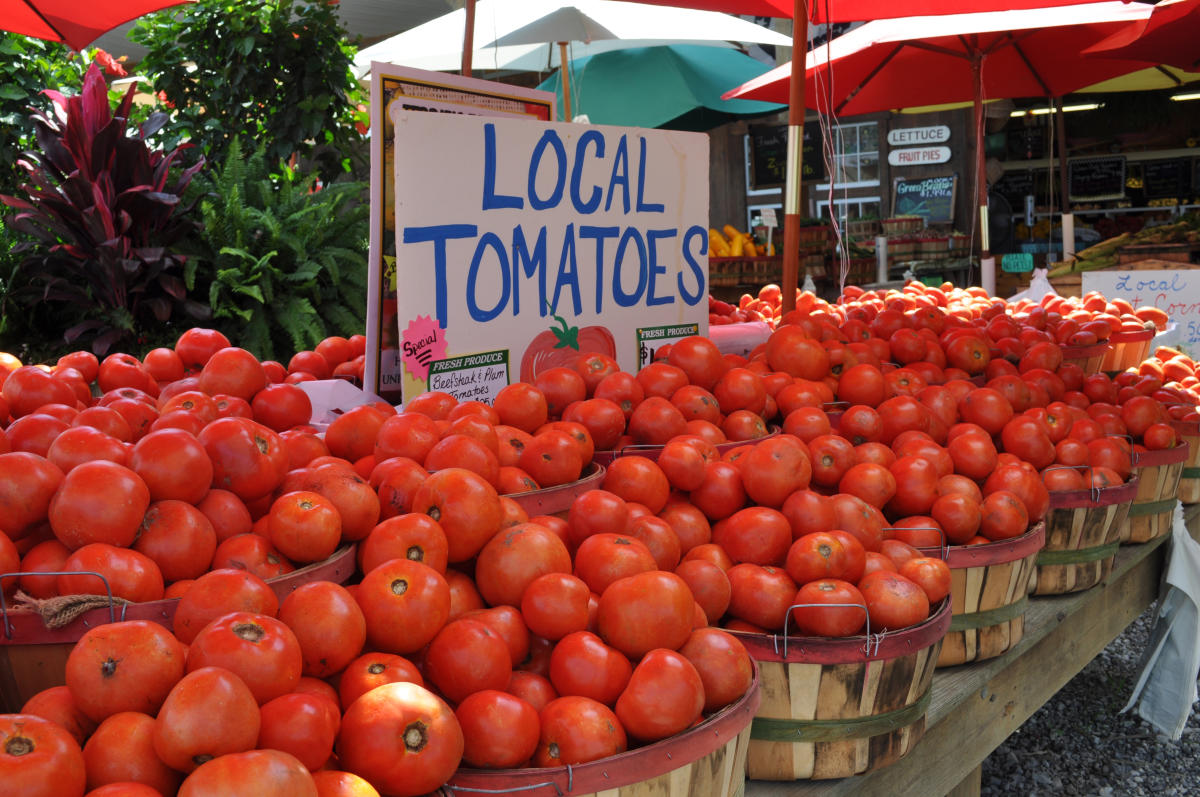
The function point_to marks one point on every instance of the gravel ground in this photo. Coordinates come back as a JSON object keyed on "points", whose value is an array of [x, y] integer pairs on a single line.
{"points": [[1078, 743]]}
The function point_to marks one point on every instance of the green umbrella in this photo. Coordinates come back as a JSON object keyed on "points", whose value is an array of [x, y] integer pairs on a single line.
{"points": [[677, 86]]}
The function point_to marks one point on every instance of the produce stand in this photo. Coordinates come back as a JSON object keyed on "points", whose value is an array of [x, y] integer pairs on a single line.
{"points": [[975, 707]]}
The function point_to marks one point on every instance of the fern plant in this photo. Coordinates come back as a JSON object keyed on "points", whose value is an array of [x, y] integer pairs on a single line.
{"points": [[285, 263]]}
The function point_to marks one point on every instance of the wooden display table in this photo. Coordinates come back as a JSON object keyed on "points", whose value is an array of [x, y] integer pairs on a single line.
{"points": [[976, 707]]}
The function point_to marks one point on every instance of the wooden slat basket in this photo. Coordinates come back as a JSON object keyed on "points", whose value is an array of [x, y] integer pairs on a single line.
{"points": [[1189, 477], [1083, 534], [707, 759], [1089, 358], [557, 500], [832, 708], [33, 657], [989, 591], [1128, 350], [1158, 474]]}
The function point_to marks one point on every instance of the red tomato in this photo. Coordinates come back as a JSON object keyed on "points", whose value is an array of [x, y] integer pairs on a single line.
{"points": [[465, 657], [829, 607], [500, 730], [893, 601], [665, 696], [39, 758], [582, 664], [402, 738], [645, 611], [576, 730], [208, 713], [260, 650]]}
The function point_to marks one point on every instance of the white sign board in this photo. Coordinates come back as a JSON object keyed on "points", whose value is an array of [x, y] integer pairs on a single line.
{"points": [[918, 156], [910, 136], [545, 240], [1177, 293], [433, 92]]}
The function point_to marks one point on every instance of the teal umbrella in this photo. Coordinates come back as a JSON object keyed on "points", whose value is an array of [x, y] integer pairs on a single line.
{"points": [[677, 86]]}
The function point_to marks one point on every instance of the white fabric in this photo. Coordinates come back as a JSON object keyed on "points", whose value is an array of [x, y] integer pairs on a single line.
{"points": [[1039, 286], [1166, 687], [513, 34]]}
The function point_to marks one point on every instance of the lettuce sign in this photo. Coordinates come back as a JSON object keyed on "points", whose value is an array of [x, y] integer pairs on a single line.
{"points": [[544, 240]]}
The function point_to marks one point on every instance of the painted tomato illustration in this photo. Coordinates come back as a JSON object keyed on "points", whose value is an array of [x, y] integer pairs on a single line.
{"points": [[561, 345]]}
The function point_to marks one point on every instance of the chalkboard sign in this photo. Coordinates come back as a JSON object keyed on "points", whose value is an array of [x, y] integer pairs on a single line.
{"points": [[931, 198], [1015, 186], [1167, 178], [1096, 178], [1027, 143], [768, 155]]}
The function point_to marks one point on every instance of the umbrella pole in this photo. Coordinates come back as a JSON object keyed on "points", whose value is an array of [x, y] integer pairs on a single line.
{"points": [[987, 264], [564, 68], [1068, 218], [468, 38], [791, 192]]}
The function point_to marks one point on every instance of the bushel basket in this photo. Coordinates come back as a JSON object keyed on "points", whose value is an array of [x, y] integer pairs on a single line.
{"points": [[1083, 533], [832, 708]]}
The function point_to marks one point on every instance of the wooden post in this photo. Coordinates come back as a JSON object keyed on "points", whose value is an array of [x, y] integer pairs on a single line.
{"points": [[987, 265], [795, 162], [1064, 188], [564, 69], [469, 38]]}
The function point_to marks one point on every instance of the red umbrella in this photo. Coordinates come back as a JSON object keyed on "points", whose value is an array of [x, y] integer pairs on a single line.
{"points": [[825, 12], [76, 23], [1167, 37], [900, 63]]}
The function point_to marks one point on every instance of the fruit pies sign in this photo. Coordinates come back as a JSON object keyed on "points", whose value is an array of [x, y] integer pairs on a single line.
{"points": [[520, 245]]}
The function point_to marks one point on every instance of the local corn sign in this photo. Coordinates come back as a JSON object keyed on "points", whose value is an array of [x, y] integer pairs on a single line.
{"points": [[521, 244]]}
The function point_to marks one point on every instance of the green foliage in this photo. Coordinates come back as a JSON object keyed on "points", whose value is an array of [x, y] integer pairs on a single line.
{"points": [[276, 71], [102, 207], [285, 264]]}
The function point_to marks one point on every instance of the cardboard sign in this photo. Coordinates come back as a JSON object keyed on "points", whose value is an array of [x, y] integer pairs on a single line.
{"points": [[472, 377], [651, 339], [918, 156], [910, 136], [1177, 293], [545, 240], [1017, 263], [430, 92]]}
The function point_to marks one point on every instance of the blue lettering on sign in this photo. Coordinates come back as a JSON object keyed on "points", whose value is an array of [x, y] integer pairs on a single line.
{"points": [[642, 205], [599, 234], [527, 265], [593, 202], [568, 273], [486, 241], [492, 200], [656, 268], [548, 139], [694, 234], [636, 269], [439, 234], [620, 175], [622, 298]]}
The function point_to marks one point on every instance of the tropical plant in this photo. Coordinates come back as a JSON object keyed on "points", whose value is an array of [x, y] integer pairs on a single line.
{"points": [[285, 264], [103, 209], [276, 71]]}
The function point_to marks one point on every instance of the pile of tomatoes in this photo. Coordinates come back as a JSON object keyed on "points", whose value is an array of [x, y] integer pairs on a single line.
{"points": [[828, 467]]}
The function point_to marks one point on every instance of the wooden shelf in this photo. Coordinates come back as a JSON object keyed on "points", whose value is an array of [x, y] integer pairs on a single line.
{"points": [[975, 707]]}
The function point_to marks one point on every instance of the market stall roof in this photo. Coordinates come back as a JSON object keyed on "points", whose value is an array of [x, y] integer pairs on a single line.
{"points": [[678, 86], [862, 10], [888, 64], [1168, 37], [516, 36]]}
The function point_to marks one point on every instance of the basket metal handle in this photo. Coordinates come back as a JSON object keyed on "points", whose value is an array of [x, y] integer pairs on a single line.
{"points": [[112, 617], [788, 616]]}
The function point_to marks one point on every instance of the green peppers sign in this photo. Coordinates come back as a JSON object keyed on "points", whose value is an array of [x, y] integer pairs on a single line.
{"points": [[544, 240]]}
